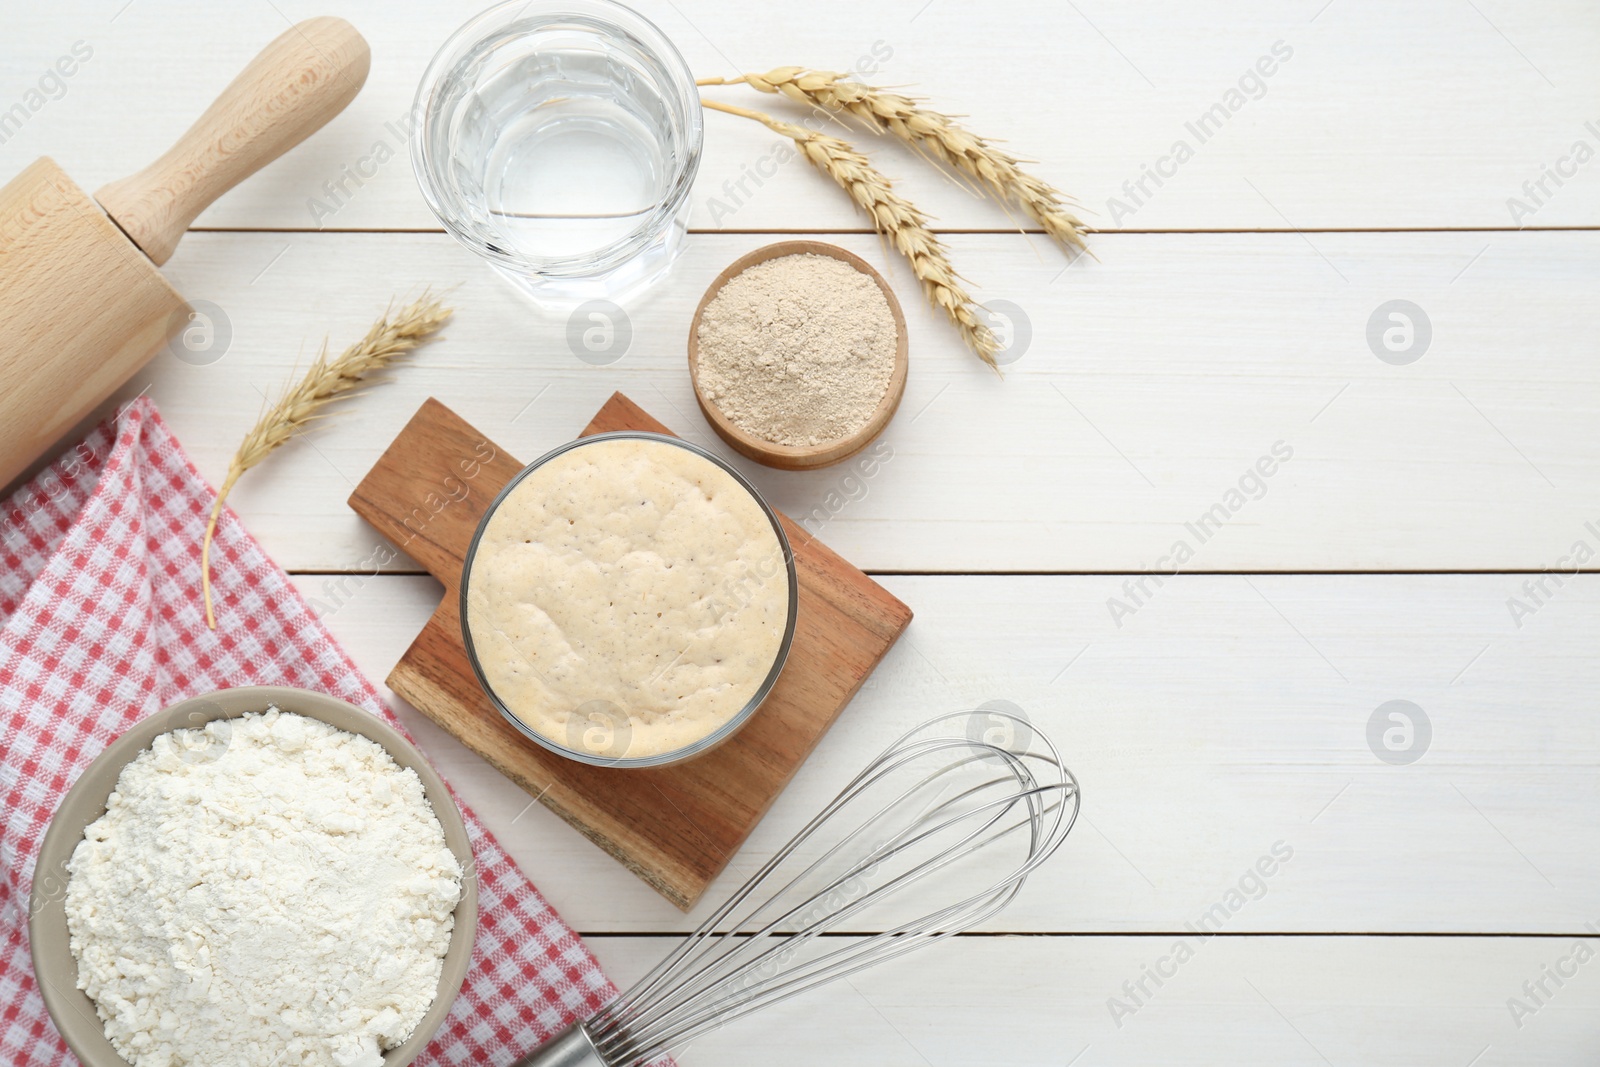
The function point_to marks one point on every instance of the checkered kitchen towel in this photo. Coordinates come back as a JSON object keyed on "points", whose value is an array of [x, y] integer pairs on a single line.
{"points": [[101, 624]]}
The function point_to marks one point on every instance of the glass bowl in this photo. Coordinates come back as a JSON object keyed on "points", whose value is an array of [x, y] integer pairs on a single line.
{"points": [[604, 754], [559, 139]]}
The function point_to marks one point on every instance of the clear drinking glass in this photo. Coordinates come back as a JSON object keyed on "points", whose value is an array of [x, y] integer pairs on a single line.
{"points": [[559, 140]]}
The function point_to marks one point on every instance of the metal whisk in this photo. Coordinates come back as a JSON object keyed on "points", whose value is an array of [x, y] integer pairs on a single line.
{"points": [[944, 813]]}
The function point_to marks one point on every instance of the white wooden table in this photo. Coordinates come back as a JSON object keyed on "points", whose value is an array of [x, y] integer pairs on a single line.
{"points": [[1211, 718]]}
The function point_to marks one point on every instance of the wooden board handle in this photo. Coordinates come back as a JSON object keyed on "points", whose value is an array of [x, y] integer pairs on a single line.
{"points": [[430, 487], [288, 92]]}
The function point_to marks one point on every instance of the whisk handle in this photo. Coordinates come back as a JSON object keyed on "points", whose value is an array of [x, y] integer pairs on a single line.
{"points": [[572, 1047]]}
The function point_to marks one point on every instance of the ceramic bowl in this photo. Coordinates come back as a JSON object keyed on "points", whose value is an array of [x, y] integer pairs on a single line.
{"points": [[70, 1008]]}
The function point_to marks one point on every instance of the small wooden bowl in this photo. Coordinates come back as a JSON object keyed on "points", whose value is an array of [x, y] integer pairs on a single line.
{"points": [[789, 457]]}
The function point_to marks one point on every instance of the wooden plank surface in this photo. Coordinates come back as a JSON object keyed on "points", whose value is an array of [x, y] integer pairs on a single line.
{"points": [[1424, 114], [1229, 710], [676, 827], [1205, 731], [1288, 1002], [1154, 380]]}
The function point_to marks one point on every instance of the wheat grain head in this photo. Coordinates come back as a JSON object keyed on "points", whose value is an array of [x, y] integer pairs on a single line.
{"points": [[930, 131], [324, 382]]}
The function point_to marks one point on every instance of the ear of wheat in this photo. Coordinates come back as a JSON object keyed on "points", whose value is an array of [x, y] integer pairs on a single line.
{"points": [[326, 381], [895, 217], [930, 131]]}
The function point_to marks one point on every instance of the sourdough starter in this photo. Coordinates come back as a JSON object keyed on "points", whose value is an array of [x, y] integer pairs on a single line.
{"points": [[627, 598]]}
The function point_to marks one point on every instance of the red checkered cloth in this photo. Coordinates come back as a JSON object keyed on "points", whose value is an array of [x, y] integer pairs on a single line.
{"points": [[101, 624]]}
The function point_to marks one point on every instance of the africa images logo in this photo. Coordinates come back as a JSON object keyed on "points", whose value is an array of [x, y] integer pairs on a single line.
{"points": [[1252, 885], [1251, 85]]}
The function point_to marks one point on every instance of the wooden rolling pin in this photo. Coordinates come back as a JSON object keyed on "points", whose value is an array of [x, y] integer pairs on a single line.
{"points": [[82, 305]]}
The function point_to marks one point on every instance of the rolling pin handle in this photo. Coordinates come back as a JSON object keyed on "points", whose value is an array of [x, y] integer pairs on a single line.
{"points": [[288, 92]]}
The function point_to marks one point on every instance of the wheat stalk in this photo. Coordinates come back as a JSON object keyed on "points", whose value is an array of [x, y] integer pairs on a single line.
{"points": [[937, 134], [896, 218], [325, 381]]}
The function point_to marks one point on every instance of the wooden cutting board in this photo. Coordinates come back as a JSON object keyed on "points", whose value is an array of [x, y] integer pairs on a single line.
{"points": [[676, 827]]}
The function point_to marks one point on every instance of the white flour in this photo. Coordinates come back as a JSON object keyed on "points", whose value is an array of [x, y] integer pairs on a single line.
{"points": [[269, 890]]}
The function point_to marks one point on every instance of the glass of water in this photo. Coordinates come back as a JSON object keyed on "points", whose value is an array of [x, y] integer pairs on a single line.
{"points": [[558, 139]]}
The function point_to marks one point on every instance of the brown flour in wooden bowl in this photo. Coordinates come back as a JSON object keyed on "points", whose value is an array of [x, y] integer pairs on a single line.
{"points": [[798, 354], [798, 350]]}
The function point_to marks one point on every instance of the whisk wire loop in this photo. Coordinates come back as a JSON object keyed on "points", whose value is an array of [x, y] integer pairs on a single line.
{"points": [[931, 808]]}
